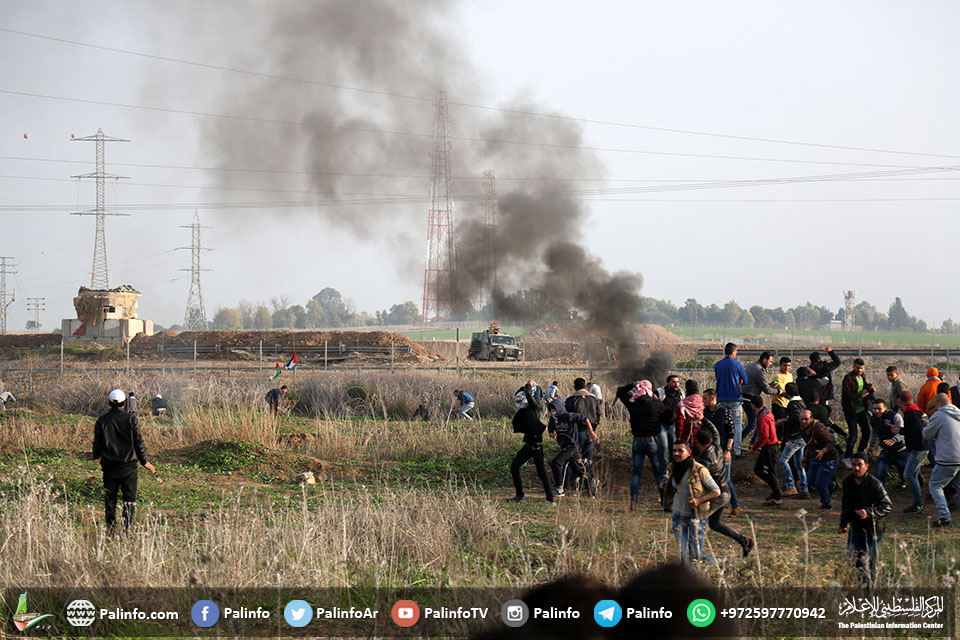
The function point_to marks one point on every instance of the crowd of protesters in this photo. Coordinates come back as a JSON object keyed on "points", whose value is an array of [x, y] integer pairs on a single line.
{"points": [[784, 418]]}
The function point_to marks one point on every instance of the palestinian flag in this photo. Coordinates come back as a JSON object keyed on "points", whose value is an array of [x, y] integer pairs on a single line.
{"points": [[277, 372], [292, 365]]}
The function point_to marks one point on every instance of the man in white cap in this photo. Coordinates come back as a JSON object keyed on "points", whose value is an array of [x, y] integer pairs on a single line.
{"points": [[159, 405], [118, 444]]}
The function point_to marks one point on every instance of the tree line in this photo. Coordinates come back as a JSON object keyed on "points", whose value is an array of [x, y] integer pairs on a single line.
{"points": [[328, 308], [808, 316]]}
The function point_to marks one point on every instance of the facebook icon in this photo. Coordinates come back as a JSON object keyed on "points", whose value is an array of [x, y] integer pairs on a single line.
{"points": [[205, 613]]}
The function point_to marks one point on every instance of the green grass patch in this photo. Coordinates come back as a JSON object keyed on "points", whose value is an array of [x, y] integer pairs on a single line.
{"points": [[84, 350], [853, 338], [228, 455]]}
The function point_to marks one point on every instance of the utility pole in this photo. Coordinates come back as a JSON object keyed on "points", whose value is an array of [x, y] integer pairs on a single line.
{"points": [[99, 276], [440, 274], [4, 303], [488, 266], [195, 317], [36, 305]]}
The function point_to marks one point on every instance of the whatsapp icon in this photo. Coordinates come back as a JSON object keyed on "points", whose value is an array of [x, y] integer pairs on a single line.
{"points": [[701, 613]]}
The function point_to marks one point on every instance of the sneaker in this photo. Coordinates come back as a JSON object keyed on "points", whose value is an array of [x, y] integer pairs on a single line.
{"points": [[941, 524], [735, 512], [848, 463], [558, 493], [915, 508], [803, 495], [594, 487], [772, 503], [552, 503], [790, 492], [516, 499], [747, 548], [826, 507]]}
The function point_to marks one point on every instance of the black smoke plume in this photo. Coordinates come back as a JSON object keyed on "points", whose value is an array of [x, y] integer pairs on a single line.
{"points": [[353, 145]]}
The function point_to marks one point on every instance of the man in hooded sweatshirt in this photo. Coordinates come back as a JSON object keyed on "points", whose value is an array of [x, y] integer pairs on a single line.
{"points": [[527, 421], [565, 427], [929, 388], [943, 430]]}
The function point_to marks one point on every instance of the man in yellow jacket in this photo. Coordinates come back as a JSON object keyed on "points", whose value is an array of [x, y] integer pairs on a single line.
{"points": [[688, 490]]}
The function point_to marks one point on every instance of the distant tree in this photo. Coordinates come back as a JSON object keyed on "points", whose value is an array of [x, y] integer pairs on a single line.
{"points": [[730, 314], [280, 302], [789, 321], [227, 319], [337, 312], [33, 326], [297, 315], [692, 312], [262, 319], [405, 313], [949, 326], [714, 315], [247, 313], [746, 319], [315, 316], [899, 318]]}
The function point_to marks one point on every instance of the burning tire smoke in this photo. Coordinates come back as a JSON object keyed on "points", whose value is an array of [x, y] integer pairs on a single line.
{"points": [[354, 144]]}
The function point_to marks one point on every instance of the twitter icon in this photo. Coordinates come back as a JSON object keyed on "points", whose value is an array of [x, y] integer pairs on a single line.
{"points": [[607, 613], [298, 613]]}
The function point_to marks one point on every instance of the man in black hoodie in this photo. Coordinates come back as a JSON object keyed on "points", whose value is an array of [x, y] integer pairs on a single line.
{"points": [[527, 421], [646, 417], [822, 369], [118, 444]]}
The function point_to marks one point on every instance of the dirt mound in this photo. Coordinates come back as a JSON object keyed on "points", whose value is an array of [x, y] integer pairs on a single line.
{"points": [[227, 342], [584, 333], [17, 344]]}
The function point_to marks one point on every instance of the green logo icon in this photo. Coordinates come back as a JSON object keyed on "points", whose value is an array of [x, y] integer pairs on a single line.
{"points": [[701, 613]]}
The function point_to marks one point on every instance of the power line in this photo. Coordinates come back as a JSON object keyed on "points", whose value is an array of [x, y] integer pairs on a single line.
{"points": [[545, 145], [416, 199], [865, 177], [539, 114], [306, 204]]}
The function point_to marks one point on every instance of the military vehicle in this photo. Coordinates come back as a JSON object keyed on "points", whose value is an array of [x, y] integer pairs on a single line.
{"points": [[493, 344]]}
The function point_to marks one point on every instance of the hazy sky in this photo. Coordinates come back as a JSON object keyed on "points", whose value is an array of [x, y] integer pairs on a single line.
{"points": [[879, 76]]}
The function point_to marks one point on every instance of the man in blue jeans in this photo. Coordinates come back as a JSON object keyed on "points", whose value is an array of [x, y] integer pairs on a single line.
{"points": [[916, 448], [943, 431], [793, 437], [820, 456], [466, 403], [887, 425], [646, 412], [730, 374]]}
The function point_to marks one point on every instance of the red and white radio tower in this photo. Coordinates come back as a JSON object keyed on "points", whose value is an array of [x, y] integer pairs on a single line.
{"points": [[440, 275]]}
